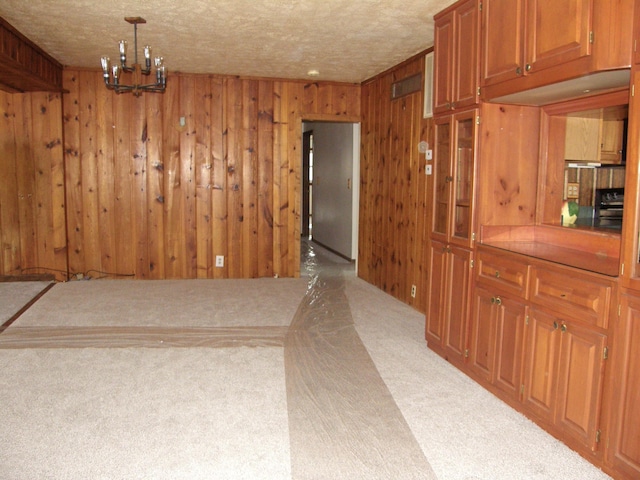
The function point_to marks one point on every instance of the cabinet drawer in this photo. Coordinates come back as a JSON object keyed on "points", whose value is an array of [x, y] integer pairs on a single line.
{"points": [[569, 292], [504, 272]]}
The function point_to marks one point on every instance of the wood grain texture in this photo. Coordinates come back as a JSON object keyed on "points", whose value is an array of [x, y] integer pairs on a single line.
{"points": [[393, 187], [32, 199], [159, 185]]}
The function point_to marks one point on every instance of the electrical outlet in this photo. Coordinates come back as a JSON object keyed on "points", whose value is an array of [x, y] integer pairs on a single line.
{"points": [[219, 260], [573, 190], [429, 154], [413, 291]]}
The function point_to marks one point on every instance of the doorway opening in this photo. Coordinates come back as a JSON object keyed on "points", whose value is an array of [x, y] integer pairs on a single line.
{"points": [[330, 185]]}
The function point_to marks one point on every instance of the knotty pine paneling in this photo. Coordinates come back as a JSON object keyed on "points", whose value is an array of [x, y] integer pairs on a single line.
{"points": [[394, 217], [158, 186], [32, 203]]}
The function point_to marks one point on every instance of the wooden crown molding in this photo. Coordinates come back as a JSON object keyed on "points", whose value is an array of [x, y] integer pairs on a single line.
{"points": [[25, 67]]}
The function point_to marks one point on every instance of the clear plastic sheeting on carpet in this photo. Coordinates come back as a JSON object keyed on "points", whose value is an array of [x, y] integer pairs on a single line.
{"points": [[343, 422]]}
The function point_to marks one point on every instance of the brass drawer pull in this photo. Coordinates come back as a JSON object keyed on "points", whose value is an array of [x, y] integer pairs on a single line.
{"points": [[497, 274]]}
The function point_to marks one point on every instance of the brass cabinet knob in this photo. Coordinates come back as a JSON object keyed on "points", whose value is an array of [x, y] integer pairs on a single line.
{"points": [[518, 71], [528, 67], [497, 274], [563, 327], [555, 325], [498, 301]]}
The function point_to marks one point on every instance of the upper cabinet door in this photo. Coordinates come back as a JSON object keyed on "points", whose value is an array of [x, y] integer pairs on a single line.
{"points": [[467, 48], [558, 32], [443, 61], [456, 52], [521, 38], [502, 40]]}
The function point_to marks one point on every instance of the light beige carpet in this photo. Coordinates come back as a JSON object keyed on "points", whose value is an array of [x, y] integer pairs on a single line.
{"points": [[337, 383], [196, 413], [15, 295]]}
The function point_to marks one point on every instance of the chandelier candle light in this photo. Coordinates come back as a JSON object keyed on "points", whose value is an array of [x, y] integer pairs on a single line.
{"points": [[112, 74]]}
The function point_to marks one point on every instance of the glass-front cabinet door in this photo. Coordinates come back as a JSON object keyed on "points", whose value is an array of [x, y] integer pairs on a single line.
{"points": [[463, 168], [442, 179], [455, 152]]}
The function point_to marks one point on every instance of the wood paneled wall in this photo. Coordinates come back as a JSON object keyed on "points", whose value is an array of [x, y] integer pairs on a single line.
{"points": [[32, 209], [394, 198], [158, 186]]}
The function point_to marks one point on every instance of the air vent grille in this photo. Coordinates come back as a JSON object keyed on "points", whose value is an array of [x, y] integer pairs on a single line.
{"points": [[406, 86]]}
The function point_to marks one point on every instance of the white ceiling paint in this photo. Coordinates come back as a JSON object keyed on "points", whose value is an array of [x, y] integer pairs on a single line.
{"points": [[345, 40]]}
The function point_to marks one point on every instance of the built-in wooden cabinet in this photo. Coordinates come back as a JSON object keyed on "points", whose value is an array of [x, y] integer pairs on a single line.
{"points": [[456, 55], [596, 135], [525, 37], [623, 453], [566, 351], [538, 340], [528, 44], [630, 268], [564, 374], [447, 300], [541, 299], [452, 234], [454, 173], [496, 336], [497, 321]]}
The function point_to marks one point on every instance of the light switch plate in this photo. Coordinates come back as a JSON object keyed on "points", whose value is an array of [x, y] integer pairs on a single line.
{"points": [[573, 190]]}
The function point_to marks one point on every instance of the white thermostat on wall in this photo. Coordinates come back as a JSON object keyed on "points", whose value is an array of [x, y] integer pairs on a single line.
{"points": [[423, 146]]}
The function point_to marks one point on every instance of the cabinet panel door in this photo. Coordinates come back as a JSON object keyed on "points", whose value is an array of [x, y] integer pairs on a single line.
{"points": [[465, 86], [437, 296], [443, 60], [456, 323], [624, 451], [558, 32], [481, 344], [502, 39], [542, 346], [510, 323], [580, 377]]}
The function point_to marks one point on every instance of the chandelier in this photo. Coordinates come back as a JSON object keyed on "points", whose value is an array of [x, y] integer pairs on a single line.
{"points": [[113, 74]]}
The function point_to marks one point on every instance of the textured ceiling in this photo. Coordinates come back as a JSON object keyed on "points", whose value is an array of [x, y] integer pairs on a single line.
{"points": [[345, 40]]}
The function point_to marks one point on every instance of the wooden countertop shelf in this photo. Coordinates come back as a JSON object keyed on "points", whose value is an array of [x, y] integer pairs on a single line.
{"points": [[590, 250]]}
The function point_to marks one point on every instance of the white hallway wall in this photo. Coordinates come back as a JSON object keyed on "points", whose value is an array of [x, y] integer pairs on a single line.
{"points": [[336, 181]]}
